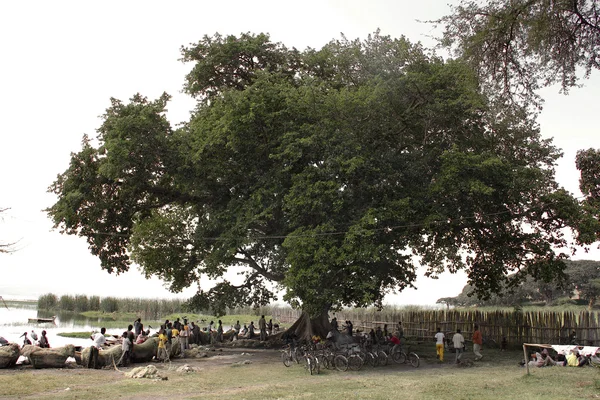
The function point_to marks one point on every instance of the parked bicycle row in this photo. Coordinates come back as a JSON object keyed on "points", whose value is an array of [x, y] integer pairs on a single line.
{"points": [[316, 355]]}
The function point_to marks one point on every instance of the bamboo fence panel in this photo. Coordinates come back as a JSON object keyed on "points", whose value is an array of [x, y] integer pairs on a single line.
{"points": [[517, 327]]}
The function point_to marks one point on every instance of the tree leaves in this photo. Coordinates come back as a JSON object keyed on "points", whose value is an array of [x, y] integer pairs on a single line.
{"points": [[331, 174]]}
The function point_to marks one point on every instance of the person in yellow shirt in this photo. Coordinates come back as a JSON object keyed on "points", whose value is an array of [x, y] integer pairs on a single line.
{"points": [[162, 354]]}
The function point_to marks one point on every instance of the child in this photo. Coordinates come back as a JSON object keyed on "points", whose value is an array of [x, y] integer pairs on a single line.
{"points": [[126, 348]]}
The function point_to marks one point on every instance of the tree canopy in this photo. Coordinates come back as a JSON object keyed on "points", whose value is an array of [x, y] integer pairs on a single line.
{"points": [[330, 174], [518, 46]]}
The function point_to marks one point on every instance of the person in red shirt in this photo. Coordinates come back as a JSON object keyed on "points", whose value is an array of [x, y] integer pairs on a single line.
{"points": [[477, 342]]}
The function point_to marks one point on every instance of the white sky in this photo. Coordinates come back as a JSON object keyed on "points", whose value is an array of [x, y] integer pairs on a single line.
{"points": [[63, 60]]}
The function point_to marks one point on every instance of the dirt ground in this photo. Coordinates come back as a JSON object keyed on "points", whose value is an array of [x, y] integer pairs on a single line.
{"points": [[214, 357]]}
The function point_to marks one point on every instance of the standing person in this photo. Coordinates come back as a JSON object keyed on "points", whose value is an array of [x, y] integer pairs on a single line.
{"points": [[162, 354], [400, 331], [251, 330], [99, 341], [270, 327], [126, 349], [262, 325], [459, 343], [169, 334], [184, 335], [209, 330], [137, 327], [439, 344], [334, 324], [131, 335], [236, 331], [195, 333], [349, 327], [220, 331], [44, 341], [378, 335], [477, 343]]}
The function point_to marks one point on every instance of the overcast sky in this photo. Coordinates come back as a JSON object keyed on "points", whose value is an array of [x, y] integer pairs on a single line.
{"points": [[63, 60]]}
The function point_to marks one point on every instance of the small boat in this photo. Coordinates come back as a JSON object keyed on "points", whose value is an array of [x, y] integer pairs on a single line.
{"points": [[41, 320]]}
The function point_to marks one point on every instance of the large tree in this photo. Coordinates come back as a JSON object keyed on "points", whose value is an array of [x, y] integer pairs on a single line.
{"points": [[518, 46], [330, 174]]}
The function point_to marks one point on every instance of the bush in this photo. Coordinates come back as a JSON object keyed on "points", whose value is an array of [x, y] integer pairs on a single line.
{"points": [[67, 303], [47, 301]]}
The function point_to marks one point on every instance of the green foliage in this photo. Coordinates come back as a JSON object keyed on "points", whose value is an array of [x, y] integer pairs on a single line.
{"points": [[588, 163], [66, 303], [47, 301], [324, 173], [582, 279], [521, 45]]}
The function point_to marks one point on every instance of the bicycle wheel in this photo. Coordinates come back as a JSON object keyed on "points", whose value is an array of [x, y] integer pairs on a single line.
{"points": [[317, 365], [298, 355], [399, 357], [382, 358], [341, 363], [328, 361], [287, 359], [371, 359], [414, 359], [355, 362], [310, 365]]}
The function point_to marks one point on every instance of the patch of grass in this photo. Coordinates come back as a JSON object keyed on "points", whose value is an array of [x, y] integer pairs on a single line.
{"points": [[77, 335]]}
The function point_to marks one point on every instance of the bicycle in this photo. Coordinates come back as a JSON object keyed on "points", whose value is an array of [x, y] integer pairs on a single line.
{"points": [[289, 355], [400, 357]]}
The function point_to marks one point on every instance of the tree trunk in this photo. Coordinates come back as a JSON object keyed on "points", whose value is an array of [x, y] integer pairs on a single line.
{"points": [[306, 327]]}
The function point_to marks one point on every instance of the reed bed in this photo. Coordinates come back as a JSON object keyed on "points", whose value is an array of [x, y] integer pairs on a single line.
{"points": [[144, 308], [147, 309]]}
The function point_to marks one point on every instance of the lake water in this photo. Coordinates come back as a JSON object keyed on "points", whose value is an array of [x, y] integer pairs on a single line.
{"points": [[14, 322]]}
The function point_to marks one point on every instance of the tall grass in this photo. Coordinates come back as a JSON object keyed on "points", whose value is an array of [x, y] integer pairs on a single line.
{"points": [[152, 309], [145, 308]]}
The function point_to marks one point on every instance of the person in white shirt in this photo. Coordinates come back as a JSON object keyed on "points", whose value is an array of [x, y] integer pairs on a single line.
{"points": [[99, 341], [439, 344], [459, 343]]}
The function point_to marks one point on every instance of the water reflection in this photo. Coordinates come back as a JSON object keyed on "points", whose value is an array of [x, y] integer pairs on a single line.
{"points": [[14, 321]]}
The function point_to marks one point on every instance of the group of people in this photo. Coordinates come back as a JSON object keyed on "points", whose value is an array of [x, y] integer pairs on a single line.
{"points": [[574, 358], [458, 343], [41, 341]]}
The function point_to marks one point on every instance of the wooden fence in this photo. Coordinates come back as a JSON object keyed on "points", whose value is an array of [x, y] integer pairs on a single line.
{"points": [[516, 327]]}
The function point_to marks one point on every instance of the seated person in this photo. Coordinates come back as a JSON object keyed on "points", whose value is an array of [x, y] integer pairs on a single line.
{"points": [[548, 360], [561, 359], [394, 339], [538, 360], [141, 338], [574, 359]]}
